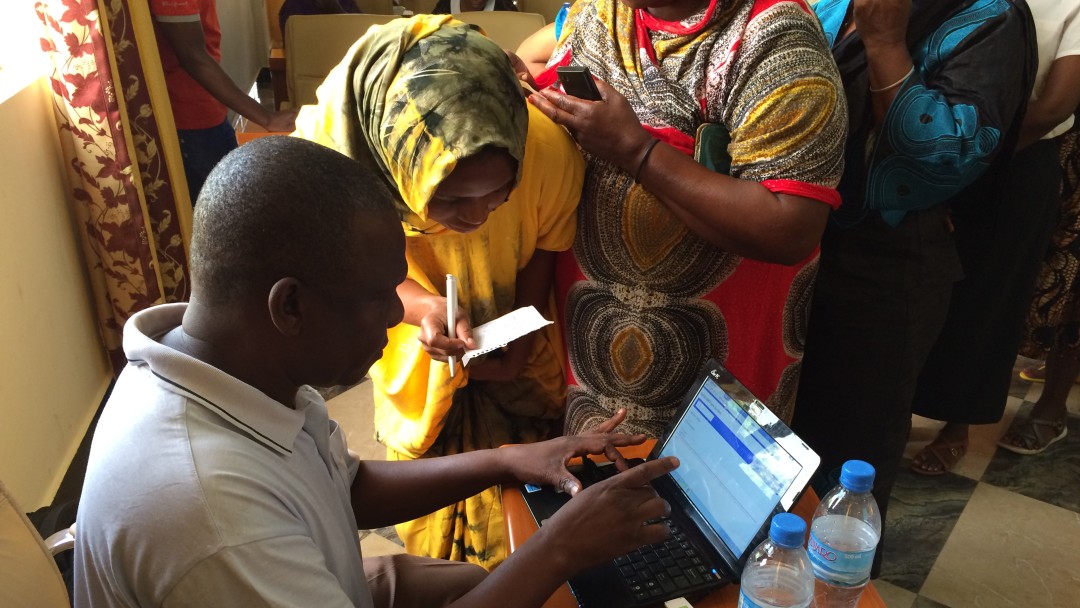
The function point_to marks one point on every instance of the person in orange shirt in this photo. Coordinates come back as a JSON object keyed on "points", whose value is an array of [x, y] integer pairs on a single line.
{"points": [[201, 93]]}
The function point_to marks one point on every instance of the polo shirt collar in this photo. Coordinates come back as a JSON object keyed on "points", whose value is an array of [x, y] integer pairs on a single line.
{"points": [[248, 409]]}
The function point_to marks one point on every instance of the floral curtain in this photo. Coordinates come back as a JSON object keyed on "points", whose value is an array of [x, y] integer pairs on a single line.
{"points": [[121, 155]]}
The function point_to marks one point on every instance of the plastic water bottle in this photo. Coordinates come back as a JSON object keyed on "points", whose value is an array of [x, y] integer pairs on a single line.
{"points": [[843, 537], [778, 574]]}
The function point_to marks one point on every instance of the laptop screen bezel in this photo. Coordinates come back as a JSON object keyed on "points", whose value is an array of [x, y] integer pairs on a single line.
{"points": [[808, 460]]}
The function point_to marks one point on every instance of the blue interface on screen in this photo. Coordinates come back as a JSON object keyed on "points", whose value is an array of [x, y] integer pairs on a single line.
{"points": [[730, 468]]}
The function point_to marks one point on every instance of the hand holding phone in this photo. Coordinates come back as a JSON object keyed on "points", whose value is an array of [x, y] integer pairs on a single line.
{"points": [[576, 80]]}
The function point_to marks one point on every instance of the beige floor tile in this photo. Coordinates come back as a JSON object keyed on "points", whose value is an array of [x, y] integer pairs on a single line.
{"points": [[1008, 551], [374, 545], [1073, 401], [895, 597], [354, 411], [1035, 391]]}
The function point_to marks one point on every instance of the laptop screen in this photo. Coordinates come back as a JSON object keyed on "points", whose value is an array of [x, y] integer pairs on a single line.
{"points": [[732, 470]]}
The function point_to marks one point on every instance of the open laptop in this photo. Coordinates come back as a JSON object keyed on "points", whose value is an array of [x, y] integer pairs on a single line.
{"points": [[740, 465]]}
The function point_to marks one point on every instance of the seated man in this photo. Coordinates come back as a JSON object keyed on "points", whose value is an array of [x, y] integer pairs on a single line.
{"points": [[216, 477]]}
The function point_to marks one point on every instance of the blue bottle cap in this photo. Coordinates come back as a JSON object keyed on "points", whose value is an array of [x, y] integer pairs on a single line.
{"points": [[857, 476], [787, 530]]}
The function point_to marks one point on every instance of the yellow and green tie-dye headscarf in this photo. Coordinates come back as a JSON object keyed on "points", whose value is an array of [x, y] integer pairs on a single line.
{"points": [[414, 97]]}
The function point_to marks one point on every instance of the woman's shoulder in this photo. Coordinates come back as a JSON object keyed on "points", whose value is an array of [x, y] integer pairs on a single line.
{"points": [[773, 25], [760, 7], [780, 17], [554, 168], [782, 28], [545, 138]]}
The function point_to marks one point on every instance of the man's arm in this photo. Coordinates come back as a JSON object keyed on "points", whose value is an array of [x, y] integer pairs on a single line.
{"points": [[189, 44], [286, 570], [599, 523], [411, 488], [604, 521]]}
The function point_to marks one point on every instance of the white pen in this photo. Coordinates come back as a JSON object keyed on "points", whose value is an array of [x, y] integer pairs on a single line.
{"points": [[451, 314]]}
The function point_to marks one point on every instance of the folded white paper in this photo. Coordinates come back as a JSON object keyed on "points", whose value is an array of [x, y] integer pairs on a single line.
{"points": [[505, 329]]}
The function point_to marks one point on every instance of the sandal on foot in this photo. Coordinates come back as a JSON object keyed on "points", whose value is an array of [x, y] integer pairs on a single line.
{"points": [[944, 453], [1036, 373], [1033, 435]]}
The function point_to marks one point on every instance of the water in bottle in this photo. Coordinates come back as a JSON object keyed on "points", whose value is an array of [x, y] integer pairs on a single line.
{"points": [[778, 574], [843, 537]]}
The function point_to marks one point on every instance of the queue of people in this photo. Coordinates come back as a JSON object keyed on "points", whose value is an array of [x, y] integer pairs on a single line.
{"points": [[871, 165]]}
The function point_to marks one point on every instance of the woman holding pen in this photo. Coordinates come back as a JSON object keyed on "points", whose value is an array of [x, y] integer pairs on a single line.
{"points": [[488, 189]]}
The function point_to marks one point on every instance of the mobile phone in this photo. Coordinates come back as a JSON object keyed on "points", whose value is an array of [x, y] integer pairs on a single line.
{"points": [[576, 80]]}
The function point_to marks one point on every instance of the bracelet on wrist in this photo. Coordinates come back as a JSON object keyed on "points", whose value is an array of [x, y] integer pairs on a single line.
{"points": [[644, 157], [895, 84]]}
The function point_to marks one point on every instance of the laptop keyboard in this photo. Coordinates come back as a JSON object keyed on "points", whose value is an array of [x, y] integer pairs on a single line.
{"points": [[665, 569]]}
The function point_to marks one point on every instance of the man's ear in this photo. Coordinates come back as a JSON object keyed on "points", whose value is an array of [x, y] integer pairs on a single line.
{"points": [[286, 311]]}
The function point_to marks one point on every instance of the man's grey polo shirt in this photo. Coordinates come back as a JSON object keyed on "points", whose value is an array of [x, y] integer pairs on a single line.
{"points": [[203, 491]]}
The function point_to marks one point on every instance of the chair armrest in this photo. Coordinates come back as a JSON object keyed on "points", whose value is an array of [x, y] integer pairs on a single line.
{"points": [[64, 540]]}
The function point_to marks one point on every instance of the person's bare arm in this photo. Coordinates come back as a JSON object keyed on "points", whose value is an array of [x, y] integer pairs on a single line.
{"points": [[882, 24], [1058, 99], [740, 216], [189, 44], [535, 50], [599, 524]]}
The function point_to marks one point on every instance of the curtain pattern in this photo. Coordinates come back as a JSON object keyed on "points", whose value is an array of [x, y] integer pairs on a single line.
{"points": [[131, 206]]}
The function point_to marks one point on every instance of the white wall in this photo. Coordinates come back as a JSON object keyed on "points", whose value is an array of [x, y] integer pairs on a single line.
{"points": [[245, 39], [53, 369]]}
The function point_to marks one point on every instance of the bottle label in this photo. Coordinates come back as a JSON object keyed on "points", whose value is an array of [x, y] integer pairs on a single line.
{"points": [[840, 567]]}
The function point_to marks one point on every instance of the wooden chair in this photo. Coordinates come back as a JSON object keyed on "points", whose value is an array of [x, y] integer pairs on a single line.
{"points": [[28, 574], [317, 43], [547, 8], [376, 7], [508, 29], [420, 7]]}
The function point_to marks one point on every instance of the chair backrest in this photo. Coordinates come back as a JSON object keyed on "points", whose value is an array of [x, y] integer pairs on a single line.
{"points": [[547, 8], [507, 28], [420, 7], [28, 575], [376, 7], [273, 7], [317, 43]]}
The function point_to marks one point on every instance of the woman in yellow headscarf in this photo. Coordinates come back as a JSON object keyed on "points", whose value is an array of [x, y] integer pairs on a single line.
{"points": [[488, 190]]}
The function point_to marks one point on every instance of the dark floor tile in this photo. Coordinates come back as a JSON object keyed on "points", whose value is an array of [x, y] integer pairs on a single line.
{"points": [[922, 513], [1050, 476]]}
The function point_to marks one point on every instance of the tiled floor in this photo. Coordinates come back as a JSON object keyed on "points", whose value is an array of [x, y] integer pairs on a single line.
{"points": [[1002, 530]]}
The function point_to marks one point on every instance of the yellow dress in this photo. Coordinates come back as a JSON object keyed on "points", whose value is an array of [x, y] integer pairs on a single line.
{"points": [[421, 411], [412, 98]]}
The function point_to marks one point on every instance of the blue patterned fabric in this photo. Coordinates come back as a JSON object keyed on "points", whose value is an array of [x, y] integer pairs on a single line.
{"points": [[942, 131]]}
